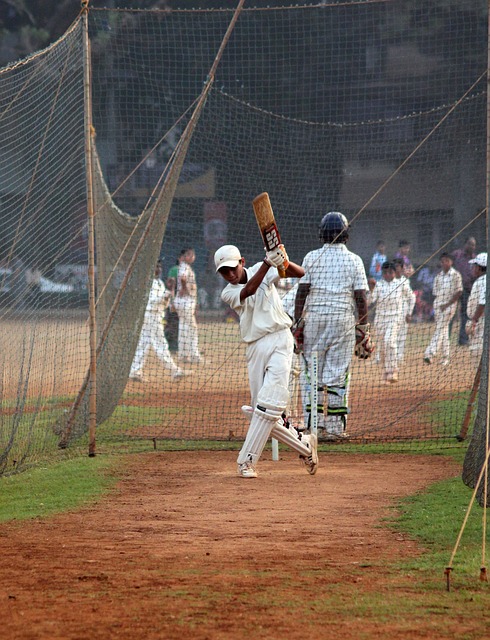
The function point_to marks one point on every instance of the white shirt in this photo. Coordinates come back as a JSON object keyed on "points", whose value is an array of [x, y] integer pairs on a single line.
{"points": [[190, 278], [261, 313], [477, 295], [445, 286], [333, 273], [388, 297], [159, 297], [408, 296]]}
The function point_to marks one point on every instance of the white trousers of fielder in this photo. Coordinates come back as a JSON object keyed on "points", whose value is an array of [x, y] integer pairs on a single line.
{"points": [[188, 340], [152, 335], [440, 337], [386, 331]]}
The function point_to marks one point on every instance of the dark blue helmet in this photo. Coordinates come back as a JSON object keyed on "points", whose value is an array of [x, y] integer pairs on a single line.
{"points": [[334, 227]]}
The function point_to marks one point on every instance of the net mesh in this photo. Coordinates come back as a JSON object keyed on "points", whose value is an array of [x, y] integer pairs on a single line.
{"points": [[386, 124]]}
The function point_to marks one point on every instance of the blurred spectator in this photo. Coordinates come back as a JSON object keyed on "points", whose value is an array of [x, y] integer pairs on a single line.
{"points": [[424, 311], [171, 317], [462, 262], [377, 260], [403, 253]]}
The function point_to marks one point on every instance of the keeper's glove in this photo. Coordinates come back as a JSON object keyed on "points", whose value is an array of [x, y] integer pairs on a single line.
{"points": [[364, 343], [297, 330]]}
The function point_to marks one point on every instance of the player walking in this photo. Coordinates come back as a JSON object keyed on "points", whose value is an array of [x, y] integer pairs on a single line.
{"points": [[476, 306], [408, 304], [185, 304], [265, 328], [152, 332], [388, 296], [333, 288], [447, 290]]}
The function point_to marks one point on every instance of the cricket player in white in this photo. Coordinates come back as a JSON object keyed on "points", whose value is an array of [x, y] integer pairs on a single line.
{"points": [[152, 332], [388, 296], [185, 305], [265, 328], [476, 307], [333, 288], [447, 290], [408, 304]]}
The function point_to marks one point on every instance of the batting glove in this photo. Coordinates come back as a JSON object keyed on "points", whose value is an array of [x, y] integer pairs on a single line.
{"points": [[277, 257]]}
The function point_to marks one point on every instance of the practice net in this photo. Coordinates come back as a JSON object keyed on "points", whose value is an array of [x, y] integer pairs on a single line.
{"points": [[374, 109]]}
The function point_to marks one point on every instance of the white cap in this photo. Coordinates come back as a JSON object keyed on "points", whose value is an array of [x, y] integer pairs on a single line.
{"points": [[227, 256], [480, 260]]}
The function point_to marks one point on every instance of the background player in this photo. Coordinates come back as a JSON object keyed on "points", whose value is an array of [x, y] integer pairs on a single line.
{"points": [[447, 290], [333, 288], [265, 328], [387, 295], [152, 332], [408, 303], [185, 305], [476, 307]]}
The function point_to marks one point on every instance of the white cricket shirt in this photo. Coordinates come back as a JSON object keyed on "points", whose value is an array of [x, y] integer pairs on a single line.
{"points": [[261, 313], [445, 286], [190, 278], [333, 273], [388, 297], [477, 295]]}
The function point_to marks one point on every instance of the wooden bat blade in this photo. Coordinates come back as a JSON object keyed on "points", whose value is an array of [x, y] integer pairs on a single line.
{"points": [[267, 223]]}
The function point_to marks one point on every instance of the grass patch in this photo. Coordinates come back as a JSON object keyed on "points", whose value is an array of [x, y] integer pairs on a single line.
{"points": [[448, 415], [56, 488], [434, 518]]}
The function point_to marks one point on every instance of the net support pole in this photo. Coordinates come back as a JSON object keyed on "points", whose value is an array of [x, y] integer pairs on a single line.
{"points": [[87, 92]]}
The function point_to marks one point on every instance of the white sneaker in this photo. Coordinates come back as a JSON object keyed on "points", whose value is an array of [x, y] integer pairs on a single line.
{"points": [[181, 373], [136, 376], [311, 461], [247, 410], [445, 362], [246, 470]]}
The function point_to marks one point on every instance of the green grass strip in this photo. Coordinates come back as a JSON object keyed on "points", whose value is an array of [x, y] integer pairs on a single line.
{"points": [[434, 518], [56, 488]]}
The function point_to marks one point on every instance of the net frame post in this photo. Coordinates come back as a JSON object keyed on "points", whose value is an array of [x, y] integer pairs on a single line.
{"points": [[91, 231]]}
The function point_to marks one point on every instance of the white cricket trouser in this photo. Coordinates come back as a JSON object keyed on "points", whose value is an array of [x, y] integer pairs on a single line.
{"points": [[152, 335], [440, 337], [188, 340], [269, 361], [476, 342], [333, 337], [386, 330], [402, 338]]}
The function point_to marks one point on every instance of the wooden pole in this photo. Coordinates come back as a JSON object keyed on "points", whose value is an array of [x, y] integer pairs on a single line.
{"points": [[471, 403], [91, 231]]}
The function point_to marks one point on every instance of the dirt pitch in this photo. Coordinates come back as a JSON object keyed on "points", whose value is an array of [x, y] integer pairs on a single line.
{"points": [[185, 549]]}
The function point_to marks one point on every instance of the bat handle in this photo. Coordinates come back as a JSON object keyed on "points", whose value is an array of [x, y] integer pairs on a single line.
{"points": [[282, 272]]}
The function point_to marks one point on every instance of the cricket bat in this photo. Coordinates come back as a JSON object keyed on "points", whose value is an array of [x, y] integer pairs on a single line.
{"points": [[267, 224]]}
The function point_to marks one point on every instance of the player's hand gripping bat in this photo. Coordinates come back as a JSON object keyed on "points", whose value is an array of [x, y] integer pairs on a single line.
{"points": [[267, 224]]}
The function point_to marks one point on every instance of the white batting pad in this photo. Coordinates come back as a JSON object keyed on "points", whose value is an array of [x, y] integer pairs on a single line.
{"points": [[257, 435], [289, 437], [272, 400]]}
